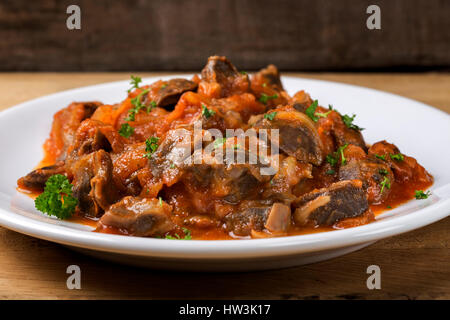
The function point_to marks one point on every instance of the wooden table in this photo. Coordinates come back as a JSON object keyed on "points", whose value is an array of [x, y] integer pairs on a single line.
{"points": [[414, 265]]}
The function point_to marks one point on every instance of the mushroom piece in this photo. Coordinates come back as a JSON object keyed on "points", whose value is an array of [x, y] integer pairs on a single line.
{"points": [[36, 179], [140, 217], [298, 137], [275, 219], [326, 206]]}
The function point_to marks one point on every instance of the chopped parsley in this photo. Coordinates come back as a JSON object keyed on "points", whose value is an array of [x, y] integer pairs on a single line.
{"points": [[186, 236], [207, 113], [348, 121], [243, 72], [135, 80], [383, 157], [386, 183], [164, 85], [322, 114], [420, 195], [137, 106], [265, 98], [331, 171], [312, 110], [126, 130], [340, 151], [331, 159], [383, 172], [151, 106], [150, 146], [160, 202], [270, 116], [398, 157], [57, 199]]}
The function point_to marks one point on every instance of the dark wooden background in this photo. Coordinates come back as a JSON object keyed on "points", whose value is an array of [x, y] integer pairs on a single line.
{"points": [[181, 34]]}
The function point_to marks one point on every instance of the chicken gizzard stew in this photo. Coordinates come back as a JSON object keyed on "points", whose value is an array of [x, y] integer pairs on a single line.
{"points": [[224, 155]]}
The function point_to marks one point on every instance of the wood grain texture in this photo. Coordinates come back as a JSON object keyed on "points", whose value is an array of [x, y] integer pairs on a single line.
{"points": [[179, 34], [414, 265]]}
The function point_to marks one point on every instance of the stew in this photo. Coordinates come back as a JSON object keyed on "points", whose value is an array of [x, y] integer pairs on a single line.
{"points": [[164, 163]]}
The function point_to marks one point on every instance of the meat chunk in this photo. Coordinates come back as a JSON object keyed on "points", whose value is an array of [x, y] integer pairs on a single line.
{"points": [[140, 217], [274, 218], [91, 136], [65, 124], [93, 183], [220, 79], [375, 175], [298, 136], [326, 206], [405, 168], [334, 131], [279, 218], [170, 92], [36, 179], [228, 178], [301, 101], [271, 76]]}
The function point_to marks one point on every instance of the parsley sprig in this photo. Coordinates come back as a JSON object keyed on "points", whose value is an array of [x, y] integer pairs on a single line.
{"points": [[186, 236], [398, 157], [332, 158], [348, 121], [126, 130], [135, 81], [265, 98], [386, 183], [270, 116], [420, 195], [207, 113], [150, 146], [57, 199]]}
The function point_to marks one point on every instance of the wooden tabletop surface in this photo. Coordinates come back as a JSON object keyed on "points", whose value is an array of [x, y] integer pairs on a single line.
{"points": [[414, 265]]}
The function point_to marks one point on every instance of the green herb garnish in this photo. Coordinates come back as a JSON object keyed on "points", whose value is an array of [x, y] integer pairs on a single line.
{"points": [[160, 202], [270, 116], [135, 80], [207, 113], [126, 130], [398, 157], [383, 172], [420, 195], [331, 160], [265, 98], [187, 235], [383, 157], [348, 121], [331, 171], [340, 151], [137, 106], [150, 146], [57, 199], [312, 110], [386, 183], [322, 114]]}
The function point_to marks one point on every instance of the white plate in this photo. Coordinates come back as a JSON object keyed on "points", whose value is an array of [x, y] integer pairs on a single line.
{"points": [[417, 129]]}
